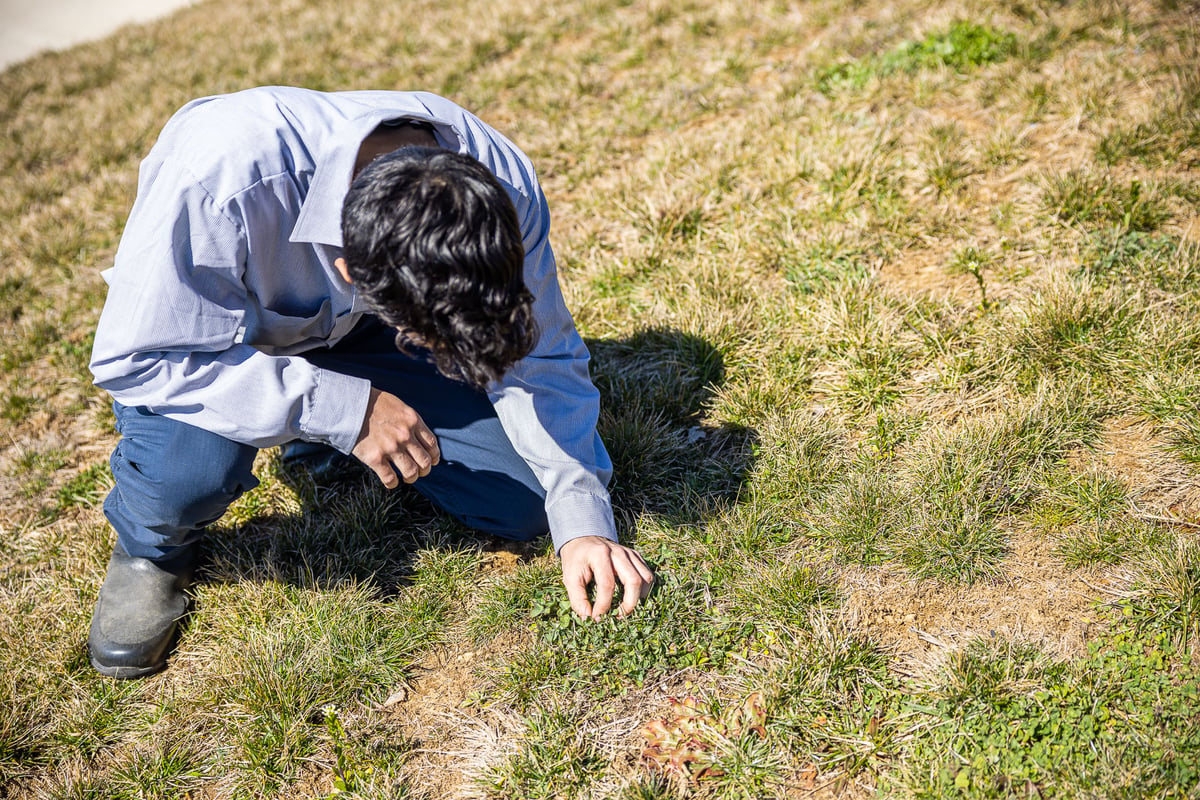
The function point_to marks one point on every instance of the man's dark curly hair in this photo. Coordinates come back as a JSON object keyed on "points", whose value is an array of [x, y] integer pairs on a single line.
{"points": [[432, 242]]}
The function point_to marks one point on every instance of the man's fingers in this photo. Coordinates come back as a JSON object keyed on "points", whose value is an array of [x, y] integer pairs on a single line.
{"points": [[408, 465], [595, 559], [421, 458], [647, 577], [395, 442], [577, 593], [637, 579], [421, 444], [417, 453], [605, 584], [386, 474], [413, 463], [430, 443]]}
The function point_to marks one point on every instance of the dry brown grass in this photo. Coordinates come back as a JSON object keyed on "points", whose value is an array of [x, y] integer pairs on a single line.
{"points": [[784, 267]]}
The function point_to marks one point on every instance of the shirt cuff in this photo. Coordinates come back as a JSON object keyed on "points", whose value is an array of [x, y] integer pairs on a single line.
{"points": [[577, 515], [339, 406]]}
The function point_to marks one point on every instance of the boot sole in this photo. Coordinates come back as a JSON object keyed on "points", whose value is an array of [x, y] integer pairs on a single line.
{"points": [[123, 672]]}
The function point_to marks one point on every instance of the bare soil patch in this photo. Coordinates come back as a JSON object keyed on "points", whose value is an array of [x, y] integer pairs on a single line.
{"points": [[1161, 483], [1037, 599]]}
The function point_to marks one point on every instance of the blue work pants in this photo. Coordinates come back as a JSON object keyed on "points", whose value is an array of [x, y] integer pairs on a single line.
{"points": [[173, 479]]}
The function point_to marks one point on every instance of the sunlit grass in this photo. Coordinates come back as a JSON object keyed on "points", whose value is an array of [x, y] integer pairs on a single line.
{"points": [[875, 297]]}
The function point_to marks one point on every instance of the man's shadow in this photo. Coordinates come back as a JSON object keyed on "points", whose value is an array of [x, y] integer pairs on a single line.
{"points": [[668, 459], [345, 527]]}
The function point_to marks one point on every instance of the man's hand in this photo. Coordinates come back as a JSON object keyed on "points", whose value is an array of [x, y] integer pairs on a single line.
{"points": [[394, 439], [594, 558]]}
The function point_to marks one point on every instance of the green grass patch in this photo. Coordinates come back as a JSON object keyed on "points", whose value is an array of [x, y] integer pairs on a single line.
{"points": [[937, 506], [870, 348], [676, 627], [1105, 542], [87, 488], [825, 695], [1174, 404], [1082, 197], [1074, 332], [812, 270], [505, 603], [1167, 598], [555, 759], [1141, 259], [961, 47], [859, 519], [783, 597], [1090, 515], [162, 771], [1173, 129], [1002, 720], [283, 654]]}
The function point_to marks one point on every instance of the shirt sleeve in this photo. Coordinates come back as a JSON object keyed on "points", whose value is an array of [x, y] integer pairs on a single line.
{"points": [[169, 337], [549, 406]]}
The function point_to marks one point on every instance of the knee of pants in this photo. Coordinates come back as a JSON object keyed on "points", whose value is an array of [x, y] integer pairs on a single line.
{"points": [[516, 512], [178, 489], [523, 519]]}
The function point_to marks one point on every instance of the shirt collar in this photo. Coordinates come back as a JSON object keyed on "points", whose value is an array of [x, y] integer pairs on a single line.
{"points": [[320, 217]]}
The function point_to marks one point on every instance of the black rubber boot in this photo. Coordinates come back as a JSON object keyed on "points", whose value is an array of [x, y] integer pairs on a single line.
{"points": [[138, 612]]}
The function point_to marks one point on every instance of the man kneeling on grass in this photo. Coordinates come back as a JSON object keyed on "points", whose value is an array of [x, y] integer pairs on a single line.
{"points": [[360, 272]]}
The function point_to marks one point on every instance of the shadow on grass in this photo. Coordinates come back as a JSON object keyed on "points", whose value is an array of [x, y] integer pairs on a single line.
{"points": [[346, 530], [654, 386], [667, 459]]}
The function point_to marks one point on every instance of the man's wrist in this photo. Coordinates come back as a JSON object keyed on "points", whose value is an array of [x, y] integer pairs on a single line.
{"points": [[585, 537], [579, 514], [338, 408]]}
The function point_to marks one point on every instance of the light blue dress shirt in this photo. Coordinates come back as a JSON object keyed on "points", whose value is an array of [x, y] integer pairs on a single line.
{"points": [[225, 273]]}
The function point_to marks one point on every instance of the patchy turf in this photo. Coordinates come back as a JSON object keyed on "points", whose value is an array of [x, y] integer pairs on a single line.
{"points": [[895, 309]]}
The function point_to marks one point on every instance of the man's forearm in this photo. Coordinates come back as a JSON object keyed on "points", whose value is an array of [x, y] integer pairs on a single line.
{"points": [[242, 394]]}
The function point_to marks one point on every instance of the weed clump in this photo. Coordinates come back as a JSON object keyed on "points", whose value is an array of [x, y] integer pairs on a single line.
{"points": [[1079, 196], [961, 47], [1167, 594]]}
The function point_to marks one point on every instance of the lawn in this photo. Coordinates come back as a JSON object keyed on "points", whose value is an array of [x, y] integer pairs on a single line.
{"points": [[895, 312]]}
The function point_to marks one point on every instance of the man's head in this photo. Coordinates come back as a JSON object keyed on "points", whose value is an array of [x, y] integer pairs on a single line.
{"points": [[431, 240]]}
